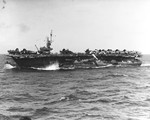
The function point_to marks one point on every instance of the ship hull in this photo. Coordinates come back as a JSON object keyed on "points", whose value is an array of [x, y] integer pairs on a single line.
{"points": [[75, 61]]}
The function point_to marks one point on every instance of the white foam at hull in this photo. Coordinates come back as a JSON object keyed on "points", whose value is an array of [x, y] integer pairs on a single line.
{"points": [[9, 66], [145, 64], [54, 66]]}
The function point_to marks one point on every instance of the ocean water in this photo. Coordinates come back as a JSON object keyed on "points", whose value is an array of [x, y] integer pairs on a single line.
{"points": [[84, 94]]}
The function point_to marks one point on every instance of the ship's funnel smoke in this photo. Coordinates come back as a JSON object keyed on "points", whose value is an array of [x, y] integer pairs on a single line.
{"points": [[54, 66], [8, 66]]}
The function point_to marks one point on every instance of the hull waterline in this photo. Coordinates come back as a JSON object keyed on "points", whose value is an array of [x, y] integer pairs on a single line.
{"points": [[85, 61]]}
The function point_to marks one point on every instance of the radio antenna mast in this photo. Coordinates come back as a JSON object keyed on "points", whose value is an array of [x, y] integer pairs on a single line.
{"points": [[51, 35]]}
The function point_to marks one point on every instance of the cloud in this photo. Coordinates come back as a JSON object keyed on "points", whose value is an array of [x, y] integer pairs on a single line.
{"points": [[3, 25], [23, 27], [19, 27]]}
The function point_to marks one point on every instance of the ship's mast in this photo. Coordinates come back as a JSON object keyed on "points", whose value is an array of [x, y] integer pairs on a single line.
{"points": [[51, 35], [49, 41]]}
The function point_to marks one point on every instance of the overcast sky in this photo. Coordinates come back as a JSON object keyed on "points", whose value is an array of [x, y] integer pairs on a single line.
{"points": [[76, 24]]}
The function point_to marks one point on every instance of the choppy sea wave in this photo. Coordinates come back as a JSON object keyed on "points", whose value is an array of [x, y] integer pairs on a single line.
{"points": [[112, 93]]}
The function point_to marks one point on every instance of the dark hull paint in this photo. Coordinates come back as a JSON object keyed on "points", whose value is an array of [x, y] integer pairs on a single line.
{"points": [[43, 61], [77, 61]]}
